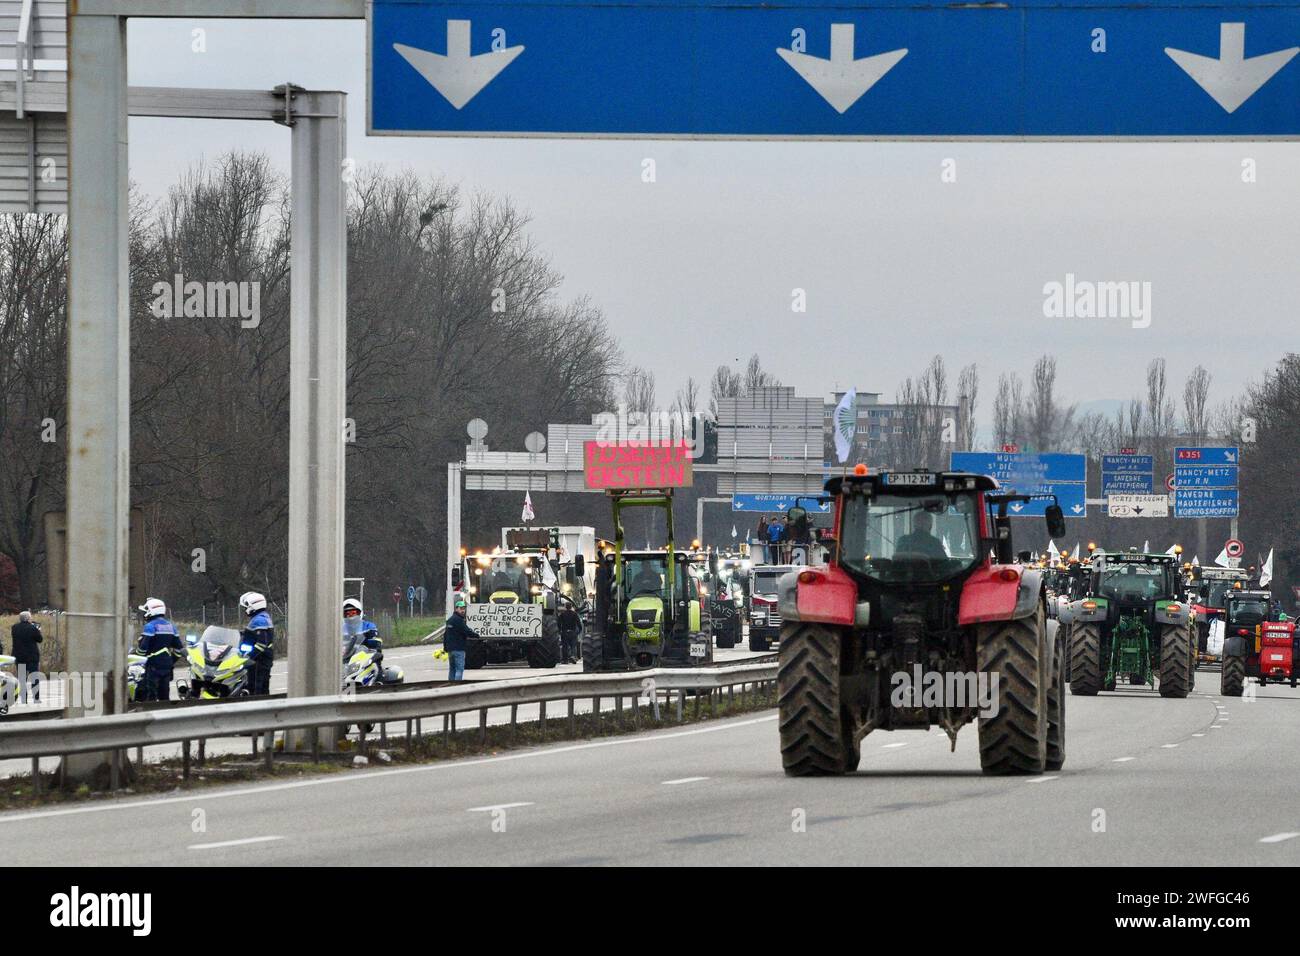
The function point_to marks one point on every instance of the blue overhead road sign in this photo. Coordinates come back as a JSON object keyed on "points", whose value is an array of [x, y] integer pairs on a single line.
{"points": [[810, 68], [1206, 503], [1127, 475], [1206, 456], [773, 503], [1027, 473], [1205, 482]]}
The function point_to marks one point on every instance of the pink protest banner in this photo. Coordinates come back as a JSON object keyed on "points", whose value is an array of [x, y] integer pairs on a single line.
{"points": [[637, 465]]}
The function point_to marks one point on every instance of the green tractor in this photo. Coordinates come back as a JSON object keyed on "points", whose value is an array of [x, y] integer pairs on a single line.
{"points": [[647, 609], [1132, 624]]}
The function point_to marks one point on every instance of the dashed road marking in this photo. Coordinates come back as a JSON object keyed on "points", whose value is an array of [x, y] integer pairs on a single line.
{"points": [[673, 783], [1123, 759], [1168, 746], [1042, 779], [244, 842], [1198, 735], [892, 746], [497, 806], [1279, 837]]}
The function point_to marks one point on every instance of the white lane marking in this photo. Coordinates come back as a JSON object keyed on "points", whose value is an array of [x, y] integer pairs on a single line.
{"points": [[1042, 779], [1279, 837], [1122, 759], [377, 774], [1198, 735], [1214, 726], [892, 746], [673, 783], [1168, 746], [497, 806], [243, 842]]}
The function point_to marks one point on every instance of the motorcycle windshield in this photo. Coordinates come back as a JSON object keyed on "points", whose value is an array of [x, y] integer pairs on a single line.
{"points": [[220, 635], [351, 626]]}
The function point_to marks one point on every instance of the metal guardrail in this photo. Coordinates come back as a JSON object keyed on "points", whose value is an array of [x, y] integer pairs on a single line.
{"points": [[147, 728]]}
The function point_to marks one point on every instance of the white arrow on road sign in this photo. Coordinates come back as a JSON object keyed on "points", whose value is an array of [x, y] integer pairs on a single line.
{"points": [[1231, 79], [841, 80], [1077, 509], [458, 76]]}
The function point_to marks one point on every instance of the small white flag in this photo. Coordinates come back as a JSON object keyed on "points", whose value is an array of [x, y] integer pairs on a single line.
{"points": [[1266, 570], [1223, 559], [733, 530], [1053, 552], [846, 424], [1171, 549], [1146, 547], [1196, 560], [528, 507]]}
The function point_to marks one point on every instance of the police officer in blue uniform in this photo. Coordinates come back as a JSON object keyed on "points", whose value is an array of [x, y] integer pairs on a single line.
{"points": [[161, 646], [260, 633]]}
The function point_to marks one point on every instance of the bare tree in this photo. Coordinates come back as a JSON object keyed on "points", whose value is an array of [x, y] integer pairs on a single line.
{"points": [[1196, 394], [968, 390], [33, 388]]}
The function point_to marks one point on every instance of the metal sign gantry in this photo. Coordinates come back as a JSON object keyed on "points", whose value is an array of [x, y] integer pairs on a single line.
{"points": [[98, 102]]}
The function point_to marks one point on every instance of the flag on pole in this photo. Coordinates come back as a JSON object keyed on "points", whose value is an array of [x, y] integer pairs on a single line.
{"points": [[1196, 560], [846, 424], [1075, 552], [1053, 552], [733, 530], [528, 507], [1266, 570], [1222, 559], [1146, 547], [1171, 549]]}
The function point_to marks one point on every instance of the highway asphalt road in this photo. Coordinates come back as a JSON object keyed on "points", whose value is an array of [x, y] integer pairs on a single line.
{"points": [[1147, 781]]}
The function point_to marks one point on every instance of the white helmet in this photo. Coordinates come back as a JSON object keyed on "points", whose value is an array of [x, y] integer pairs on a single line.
{"points": [[351, 604], [154, 608], [251, 601]]}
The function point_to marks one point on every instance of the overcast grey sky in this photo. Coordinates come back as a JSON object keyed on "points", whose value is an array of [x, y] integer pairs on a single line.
{"points": [[698, 268]]}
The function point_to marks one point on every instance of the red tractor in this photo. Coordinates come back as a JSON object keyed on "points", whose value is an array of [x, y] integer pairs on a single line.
{"points": [[1254, 646], [924, 615]]}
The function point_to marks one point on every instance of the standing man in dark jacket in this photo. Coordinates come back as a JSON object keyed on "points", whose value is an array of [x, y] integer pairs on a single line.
{"points": [[456, 640], [26, 635]]}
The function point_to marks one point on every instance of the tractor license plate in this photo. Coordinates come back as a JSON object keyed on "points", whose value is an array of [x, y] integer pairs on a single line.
{"points": [[699, 649], [909, 479]]}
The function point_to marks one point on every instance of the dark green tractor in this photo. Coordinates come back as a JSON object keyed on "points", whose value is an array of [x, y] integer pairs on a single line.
{"points": [[1132, 625]]}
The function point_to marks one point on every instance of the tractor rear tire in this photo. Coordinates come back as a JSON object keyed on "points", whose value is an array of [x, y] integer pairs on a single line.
{"points": [[476, 656], [1014, 739], [547, 651], [817, 736], [1085, 660], [593, 650], [1056, 710], [1233, 676], [1176, 661]]}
